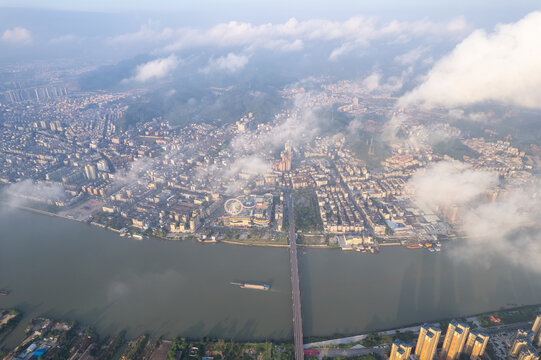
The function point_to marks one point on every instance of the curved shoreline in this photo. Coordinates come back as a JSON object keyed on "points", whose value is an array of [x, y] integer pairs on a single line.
{"points": [[230, 242]]}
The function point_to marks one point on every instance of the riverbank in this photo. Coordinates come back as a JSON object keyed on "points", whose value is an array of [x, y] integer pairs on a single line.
{"points": [[191, 236], [67, 339], [254, 243], [36, 211], [514, 315], [77, 338], [9, 319]]}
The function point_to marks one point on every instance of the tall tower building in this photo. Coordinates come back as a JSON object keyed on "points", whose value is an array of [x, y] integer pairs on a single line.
{"points": [[285, 164], [476, 344], [429, 336], [536, 329], [537, 325], [528, 353], [400, 351], [518, 346], [520, 342], [454, 341], [90, 172]]}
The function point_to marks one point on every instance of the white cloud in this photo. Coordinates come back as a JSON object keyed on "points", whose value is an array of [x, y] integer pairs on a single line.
{"points": [[342, 50], [450, 183], [17, 35], [293, 34], [295, 45], [374, 83], [499, 218], [155, 69], [251, 164], [231, 63], [507, 227], [472, 116], [503, 228], [503, 66], [136, 171], [411, 57], [147, 33], [23, 192]]}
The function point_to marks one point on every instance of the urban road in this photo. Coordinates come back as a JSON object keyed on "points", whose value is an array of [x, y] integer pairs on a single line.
{"points": [[295, 291]]}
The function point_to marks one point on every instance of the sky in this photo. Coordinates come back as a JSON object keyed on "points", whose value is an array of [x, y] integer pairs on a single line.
{"points": [[233, 31], [277, 10]]}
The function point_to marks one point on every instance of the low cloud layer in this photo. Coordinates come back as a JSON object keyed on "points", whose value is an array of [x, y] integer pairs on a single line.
{"points": [[507, 227], [503, 66], [155, 69], [375, 82], [450, 183], [146, 34], [17, 35], [135, 173], [230, 63], [253, 165], [504, 225], [413, 56], [23, 192], [294, 35]]}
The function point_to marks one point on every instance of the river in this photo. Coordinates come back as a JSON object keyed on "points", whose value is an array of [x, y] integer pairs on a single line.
{"points": [[70, 270]]}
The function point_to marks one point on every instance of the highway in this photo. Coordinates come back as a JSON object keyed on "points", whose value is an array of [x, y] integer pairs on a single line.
{"points": [[295, 291]]}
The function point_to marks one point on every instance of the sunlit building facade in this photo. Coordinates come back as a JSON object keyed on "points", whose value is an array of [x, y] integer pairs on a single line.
{"points": [[454, 341], [536, 329], [528, 353], [429, 336], [476, 344], [520, 342], [400, 351]]}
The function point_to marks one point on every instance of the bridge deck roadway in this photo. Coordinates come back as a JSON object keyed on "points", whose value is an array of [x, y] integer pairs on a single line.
{"points": [[295, 290]]}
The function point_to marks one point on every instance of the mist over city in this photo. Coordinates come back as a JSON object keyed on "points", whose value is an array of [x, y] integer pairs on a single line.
{"points": [[270, 180]]}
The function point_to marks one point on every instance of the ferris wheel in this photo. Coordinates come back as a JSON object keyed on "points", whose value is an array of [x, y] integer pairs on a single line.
{"points": [[233, 206]]}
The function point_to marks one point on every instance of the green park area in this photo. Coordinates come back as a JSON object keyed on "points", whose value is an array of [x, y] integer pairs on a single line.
{"points": [[509, 316], [219, 349], [257, 237], [306, 210]]}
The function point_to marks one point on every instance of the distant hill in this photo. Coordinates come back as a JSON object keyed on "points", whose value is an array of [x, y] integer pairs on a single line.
{"points": [[110, 76], [196, 104]]}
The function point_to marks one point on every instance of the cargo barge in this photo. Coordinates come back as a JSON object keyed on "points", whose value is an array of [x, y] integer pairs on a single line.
{"points": [[244, 285]]}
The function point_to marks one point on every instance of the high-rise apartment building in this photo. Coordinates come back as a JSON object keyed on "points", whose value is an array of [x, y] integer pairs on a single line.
{"points": [[476, 344], [520, 342], [90, 171], [536, 329], [454, 341], [400, 351], [429, 336], [528, 353]]}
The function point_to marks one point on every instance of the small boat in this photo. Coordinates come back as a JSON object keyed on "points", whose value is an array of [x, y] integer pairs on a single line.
{"points": [[4, 292], [414, 246]]}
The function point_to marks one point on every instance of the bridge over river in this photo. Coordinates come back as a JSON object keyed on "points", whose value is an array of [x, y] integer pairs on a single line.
{"points": [[295, 291]]}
